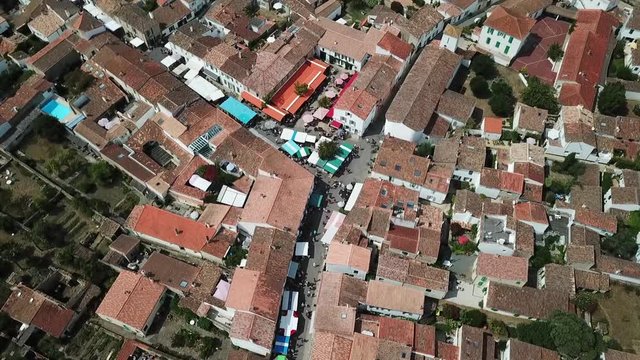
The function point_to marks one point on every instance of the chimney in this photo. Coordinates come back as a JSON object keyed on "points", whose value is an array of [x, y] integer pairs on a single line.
{"points": [[191, 28], [151, 14], [178, 231], [67, 13]]}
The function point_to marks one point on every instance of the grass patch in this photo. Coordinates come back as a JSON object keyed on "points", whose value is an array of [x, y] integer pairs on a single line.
{"points": [[620, 308]]}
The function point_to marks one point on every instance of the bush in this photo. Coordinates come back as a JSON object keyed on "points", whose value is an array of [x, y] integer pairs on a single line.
{"points": [[301, 89], [103, 173], [474, 317], [324, 101], [498, 328], [540, 95], [480, 87], [612, 100], [450, 312], [625, 73], [76, 81], [49, 128], [205, 324], [420, 3], [570, 166], [555, 52], [209, 346], [586, 301], [235, 255], [536, 333], [397, 7], [425, 149], [484, 66]]}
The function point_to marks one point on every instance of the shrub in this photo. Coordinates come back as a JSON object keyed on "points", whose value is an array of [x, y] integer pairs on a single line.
{"points": [[474, 317], [209, 346], [612, 100], [425, 149], [540, 95], [328, 149], [301, 89], [205, 324], [480, 87], [324, 101], [419, 3], [502, 105], [397, 7], [450, 312], [555, 52], [498, 328]]}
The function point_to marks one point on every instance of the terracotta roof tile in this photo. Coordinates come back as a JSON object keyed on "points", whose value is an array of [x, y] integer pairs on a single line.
{"points": [[526, 301], [349, 255], [412, 272], [531, 118], [456, 106], [250, 327], [531, 212], [131, 299], [507, 268], [521, 350], [596, 219], [393, 297], [510, 22], [327, 346]]}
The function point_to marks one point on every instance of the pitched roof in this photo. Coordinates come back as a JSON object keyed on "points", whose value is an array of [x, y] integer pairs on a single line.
{"points": [[492, 125], [419, 94], [472, 154], [507, 268], [531, 212], [476, 344], [526, 7], [456, 106], [131, 299], [526, 301], [169, 227], [348, 41], [350, 255], [531, 118], [521, 350], [619, 355], [396, 46], [584, 61], [327, 346], [617, 266], [341, 290], [393, 297], [169, 271], [412, 272], [596, 219], [510, 22], [395, 158], [254, 328], [591, 280]]}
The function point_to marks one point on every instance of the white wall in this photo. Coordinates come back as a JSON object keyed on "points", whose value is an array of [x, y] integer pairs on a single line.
{"points": [[250, 346], [342, 60], [394, 313], [346, 269], [432, 196], [605, 5], [401, 131], [537, 227], [488, 192], [504, 47]]}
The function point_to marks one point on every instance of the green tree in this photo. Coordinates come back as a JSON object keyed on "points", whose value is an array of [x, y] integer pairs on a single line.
{"points": [[209, 346], [574, 339], [474, 317], [450, 312], [586, 301], [536, 333], [76, 81], [484, 66], [53, 234], [621, 244], [301, 89], [502, 105], [555, 52], [252, 9], [397, 7], [324, 101], [625, 73], [419, 3], [235, 255], [425, 149], [328, 149], [612, 100], [49, 128], [569, 166], [498, 328], [480, 87], [540, 95], [103, 173]]}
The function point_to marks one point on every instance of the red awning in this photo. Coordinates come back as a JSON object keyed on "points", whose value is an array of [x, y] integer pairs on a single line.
{"points": [[336, 124]]}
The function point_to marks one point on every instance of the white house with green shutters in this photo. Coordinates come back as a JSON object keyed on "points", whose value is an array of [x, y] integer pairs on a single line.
{"points": [[504, 33]]}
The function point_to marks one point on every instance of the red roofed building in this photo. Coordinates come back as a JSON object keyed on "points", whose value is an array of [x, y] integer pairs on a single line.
{"points": [[504, 32], [586, 57], [510, 270], [496, 183], [532, 214], [179, 233], [603, 224], [491, 128], [132, 302], [31, 307]]}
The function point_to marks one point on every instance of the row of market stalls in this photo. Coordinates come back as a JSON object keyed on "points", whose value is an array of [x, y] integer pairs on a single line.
{"points": [[295, 146]]}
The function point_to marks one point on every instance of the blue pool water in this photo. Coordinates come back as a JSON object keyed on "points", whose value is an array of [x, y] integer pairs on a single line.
{"points": [[56, 109]]}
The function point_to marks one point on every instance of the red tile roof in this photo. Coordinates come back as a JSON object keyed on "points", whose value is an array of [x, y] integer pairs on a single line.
{"points": [[52, 318], [169, 227], [585, 59], [398, 330], [509, 22], [508, 268], [531, 212], [395, 46], [425, 339], [596, 219], [131, 299], [493, 125]]}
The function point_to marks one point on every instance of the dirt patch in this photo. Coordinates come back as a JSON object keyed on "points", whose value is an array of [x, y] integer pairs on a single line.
{"points": [[620, 308]]}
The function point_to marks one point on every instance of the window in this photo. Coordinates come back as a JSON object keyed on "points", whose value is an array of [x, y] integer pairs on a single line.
{"points": [[510, 39], [488, 41], [631, 31], [506, 49], [497, 44], [398, 167], [490, 31]]}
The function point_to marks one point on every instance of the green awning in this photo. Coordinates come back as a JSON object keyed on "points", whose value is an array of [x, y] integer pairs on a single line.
{"points": [[316, 200]]}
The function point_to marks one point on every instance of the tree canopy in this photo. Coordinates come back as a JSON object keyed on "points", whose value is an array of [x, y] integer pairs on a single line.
{"points": [[103, 173], [49, 128], [328, 149], [540, 95], [480, 87], [612, 100], [570, 166], [622, 244], [502, 101], [474, 317], [301, 88], [555, 52], [397, 7], [574, 339], [485, 66]]}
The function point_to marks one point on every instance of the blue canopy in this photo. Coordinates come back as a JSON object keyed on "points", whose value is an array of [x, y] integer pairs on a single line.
{"points": [[238, 110], [282, 345], [290, 147]]}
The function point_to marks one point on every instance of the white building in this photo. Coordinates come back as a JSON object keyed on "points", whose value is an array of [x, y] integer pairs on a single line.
{"points": [[450, 38], [630, 29], [504, 33], [348, 259], [632, 56], [573, 133], [622, 198], [491, 128], [359, 105], [604, 5]]}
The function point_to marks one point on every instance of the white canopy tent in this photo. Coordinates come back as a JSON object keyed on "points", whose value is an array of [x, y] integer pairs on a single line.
{"points": [[199, 182], [331, 229], [231, 197], [204, 88], [351, 202], [136, 42], [302, 249]]}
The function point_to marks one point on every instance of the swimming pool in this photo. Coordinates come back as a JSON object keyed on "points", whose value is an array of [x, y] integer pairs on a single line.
{"points": [[56, 109]]}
